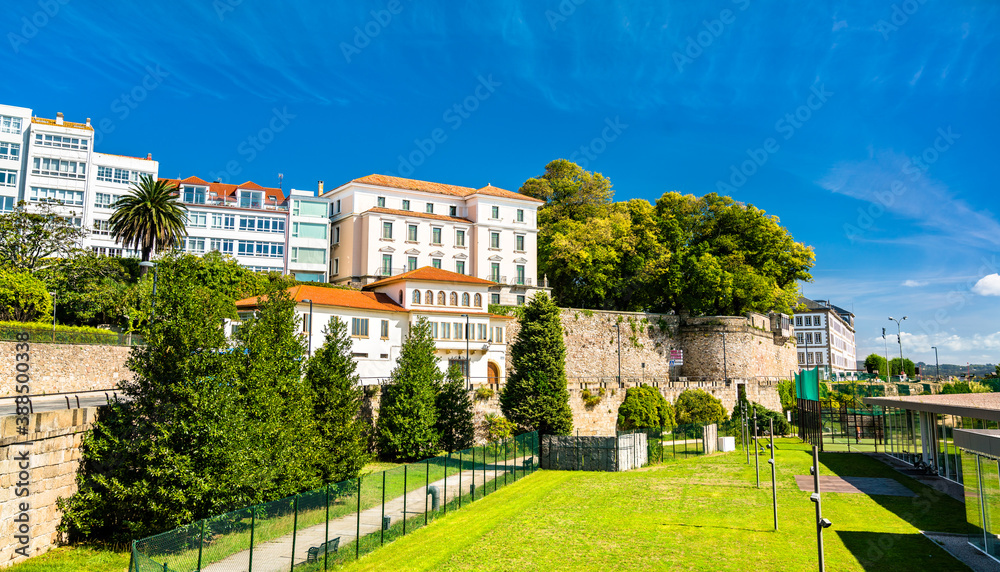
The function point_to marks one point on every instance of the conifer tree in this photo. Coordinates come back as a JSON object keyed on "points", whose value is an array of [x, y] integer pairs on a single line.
{"points": [[454, 409], [337, 399], [407, 412], [535, 396]]}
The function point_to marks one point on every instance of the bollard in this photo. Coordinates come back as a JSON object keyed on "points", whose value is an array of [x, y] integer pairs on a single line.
{"points": [[386, 521], [434, 492]]}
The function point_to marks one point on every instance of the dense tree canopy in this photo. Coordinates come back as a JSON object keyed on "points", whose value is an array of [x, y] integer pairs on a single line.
{"points": [[32, 240], [875, 363], [704, 255]]}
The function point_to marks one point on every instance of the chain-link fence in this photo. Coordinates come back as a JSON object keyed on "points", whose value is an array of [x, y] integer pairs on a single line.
{"points": [[65, 335], [663, 445], [338, 523]]}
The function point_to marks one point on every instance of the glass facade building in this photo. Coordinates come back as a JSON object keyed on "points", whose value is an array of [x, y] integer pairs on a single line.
{"points": [[980, 451]]}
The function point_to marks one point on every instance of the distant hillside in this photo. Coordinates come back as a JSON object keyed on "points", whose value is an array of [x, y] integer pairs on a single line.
{"points": [[948, 369]]}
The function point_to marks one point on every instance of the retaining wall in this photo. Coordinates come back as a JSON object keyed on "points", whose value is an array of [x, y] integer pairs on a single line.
{"points": [[57, 368]]}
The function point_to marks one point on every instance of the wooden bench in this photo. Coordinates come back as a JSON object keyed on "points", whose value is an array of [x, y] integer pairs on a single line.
{"points": [[315, 551]]}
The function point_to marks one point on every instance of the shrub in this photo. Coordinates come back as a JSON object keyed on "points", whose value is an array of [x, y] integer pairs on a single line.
{"points": [[644, 406], [498, 428], [483, 393], [698, 407], [781, 425], [23, 298], [590, 398], [787, 394]]}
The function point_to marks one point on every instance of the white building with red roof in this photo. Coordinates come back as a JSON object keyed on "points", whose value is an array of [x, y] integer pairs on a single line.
{"points": [[380, 315], [383, 226]]}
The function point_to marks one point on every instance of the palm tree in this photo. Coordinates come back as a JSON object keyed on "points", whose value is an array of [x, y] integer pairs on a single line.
{"points": [[151, 217]]}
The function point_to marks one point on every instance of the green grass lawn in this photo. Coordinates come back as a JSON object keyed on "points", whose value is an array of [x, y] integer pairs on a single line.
{"points": [[75, 559], [697, 514]]}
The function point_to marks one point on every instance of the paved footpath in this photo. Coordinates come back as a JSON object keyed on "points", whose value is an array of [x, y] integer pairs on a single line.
{"points": [[273, 556]]}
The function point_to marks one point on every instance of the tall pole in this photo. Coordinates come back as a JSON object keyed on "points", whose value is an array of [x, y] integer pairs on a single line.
{"points": [[310, 328], [937, 364], [774, 480], [619, 327], [468, 372], [53, 294], [821, 523], [725, 369], [888, 371], [899, 338], [756, 455]]}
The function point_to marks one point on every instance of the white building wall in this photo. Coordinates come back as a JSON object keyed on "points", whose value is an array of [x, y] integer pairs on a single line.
{"points": [[301, 245], [58, 166], [102, 194], [15, 125]]}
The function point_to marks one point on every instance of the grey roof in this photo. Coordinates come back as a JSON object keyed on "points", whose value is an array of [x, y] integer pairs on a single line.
{"points": [[975, 405]]}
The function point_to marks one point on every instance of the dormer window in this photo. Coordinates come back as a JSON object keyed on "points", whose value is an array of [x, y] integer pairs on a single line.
{"points": [[195, 195], [251, 199]]}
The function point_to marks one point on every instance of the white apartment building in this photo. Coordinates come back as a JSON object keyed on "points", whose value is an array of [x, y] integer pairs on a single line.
{"points": [[258, 226], [15, 125], [825, 337], [379, 319], [383, 226]]}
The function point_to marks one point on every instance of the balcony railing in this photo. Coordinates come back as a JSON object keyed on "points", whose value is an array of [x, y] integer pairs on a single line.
{"points": [[386, 272]]}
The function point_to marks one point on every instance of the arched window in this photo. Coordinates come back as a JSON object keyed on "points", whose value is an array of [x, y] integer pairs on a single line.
{"points": [[440, 298], [416, 296], [454, 298], [400, 296], [429, 298], [465, 299], [479, 300]]}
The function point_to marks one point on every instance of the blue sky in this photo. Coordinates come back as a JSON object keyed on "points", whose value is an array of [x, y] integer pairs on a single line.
{"points": [[869, 130]]}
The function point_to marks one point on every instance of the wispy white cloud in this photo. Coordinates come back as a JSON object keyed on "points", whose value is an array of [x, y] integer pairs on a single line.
{"points": [[914, 283], [988, 285]]}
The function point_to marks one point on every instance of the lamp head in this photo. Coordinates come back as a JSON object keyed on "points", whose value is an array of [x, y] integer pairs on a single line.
{"points": [[891, 318], [147, 264], [825, 523], [904, 317]]}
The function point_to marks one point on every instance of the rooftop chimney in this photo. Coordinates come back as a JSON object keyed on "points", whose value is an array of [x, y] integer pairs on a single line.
{"points": [[59, 118], [88, 122], [149, 156], [320, 188]]}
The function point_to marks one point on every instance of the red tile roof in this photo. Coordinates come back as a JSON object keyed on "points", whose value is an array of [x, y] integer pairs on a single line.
{"points": [[417, 214], [338, 297], [431, 274], [440, 188], [223, 190]]}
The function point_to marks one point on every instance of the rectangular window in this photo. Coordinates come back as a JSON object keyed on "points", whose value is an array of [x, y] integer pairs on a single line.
{"points": [[406, 204], [359, 327], [315, 209], [262, 224], [494, 298], [251, 199], [802, 358], [459, 334], [434, 330], [445, 331], [59, 195], [819, 338], [819, 358], [459, 238], [460, 363], [387, 230], [809, 338], [336, 266], [195, 245], [338, 206], [194, 195], [10, 151], [453, 211], [59, 168], [460, 266], [482, 331], [494, 240], [386, 265], [411, 232], [520, 300], [385, 329], [430, 208], [816, 321], [309, 230], [60, 141], [498, 335], [261, 249], [436, 262], [798, 321], [8, 178], [102, 228], [381, 202], [520, 215], [197, 219], [6, 204], [105, 200], [519, 243], [10, 124], [809, 320], [520, 274], [336, 235], [223, 245], [495, 271], [308, 255], [411, 262], [799, 337], [119, 176], [436, 235], [495, 213]]}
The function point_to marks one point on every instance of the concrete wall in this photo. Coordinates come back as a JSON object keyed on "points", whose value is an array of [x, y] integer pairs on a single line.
{"points": [[59, 368], [54, 457]]}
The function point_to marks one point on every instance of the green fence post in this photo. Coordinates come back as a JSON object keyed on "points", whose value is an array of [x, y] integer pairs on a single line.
{"points": [[427, 488], [404, 498], [326, 532], [131, 558], [201, 543], [253, 523], [505, 463], [357, 534], [381, 525], [295, 528], [445, 487], [461, 465], [495, 463]]}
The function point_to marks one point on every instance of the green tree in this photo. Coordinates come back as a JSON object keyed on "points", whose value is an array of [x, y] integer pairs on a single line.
{"points": [[407, 412], [150, 217], [535, 396], [645, 407], [32, 240], [454, 413], [764, 418], [875, 363], [908, 367], [698, 407], [337, 399], [787, 394], [23, 298], [91, 289], [569, 192]]}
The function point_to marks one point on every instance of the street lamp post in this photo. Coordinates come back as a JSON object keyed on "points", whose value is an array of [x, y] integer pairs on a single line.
{"points": [[148, 264], [468, 377], [725, 367], [899, 338], [885, 342], [937, 364], [53, 294], [619, 327], [310, 335]]}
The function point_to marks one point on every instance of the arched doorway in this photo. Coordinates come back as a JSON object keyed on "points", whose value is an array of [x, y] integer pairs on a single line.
{"points": [[492, 373]]}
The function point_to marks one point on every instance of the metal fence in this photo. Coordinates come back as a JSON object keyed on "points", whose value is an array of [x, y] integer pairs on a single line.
{"points": [[60, 336], [338, 523], [839, 426]]}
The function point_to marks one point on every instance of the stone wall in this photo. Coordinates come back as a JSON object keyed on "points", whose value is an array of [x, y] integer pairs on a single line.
{"points": [[60, 368], [54, 456], [740, 347]]}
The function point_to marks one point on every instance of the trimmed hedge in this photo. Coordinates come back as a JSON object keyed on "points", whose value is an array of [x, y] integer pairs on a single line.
{"points": [[41, 332]]}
